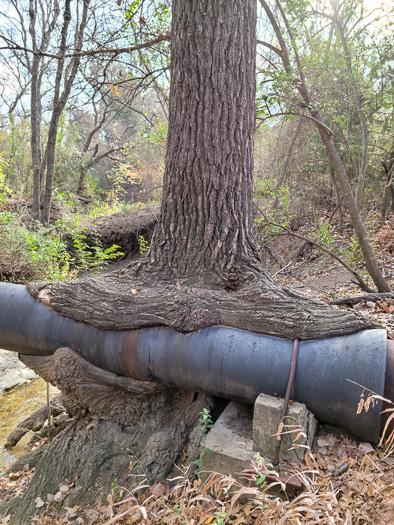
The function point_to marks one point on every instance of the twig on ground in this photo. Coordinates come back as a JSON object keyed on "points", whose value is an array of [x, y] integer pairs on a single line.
{"points": [[282, 269], [373, 297]]}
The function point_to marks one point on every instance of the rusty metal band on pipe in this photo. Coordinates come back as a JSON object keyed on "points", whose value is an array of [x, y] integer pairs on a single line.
{"points": [[221, 361], [285, 406]]}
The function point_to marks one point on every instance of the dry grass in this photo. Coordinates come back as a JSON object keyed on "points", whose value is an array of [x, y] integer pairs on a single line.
{"points": [[344, 483]]}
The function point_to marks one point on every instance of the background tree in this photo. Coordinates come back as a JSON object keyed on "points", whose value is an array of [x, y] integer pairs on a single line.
{"points": [[51, 41], [297, 77]]}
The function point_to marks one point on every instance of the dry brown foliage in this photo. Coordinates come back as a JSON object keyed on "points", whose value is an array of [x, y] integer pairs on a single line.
{"points": [[344, 483], [385, 237]]}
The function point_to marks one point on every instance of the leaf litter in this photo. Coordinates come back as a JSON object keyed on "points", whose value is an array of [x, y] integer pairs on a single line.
{"points": [[344, 483]]}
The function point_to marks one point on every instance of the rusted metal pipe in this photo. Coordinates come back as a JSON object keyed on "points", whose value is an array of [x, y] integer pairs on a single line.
{"points": [[388, 390], [218, 360]]}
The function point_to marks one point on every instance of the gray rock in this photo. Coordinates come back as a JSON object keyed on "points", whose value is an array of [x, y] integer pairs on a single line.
{"points": [[12, 371], [230, 441]]}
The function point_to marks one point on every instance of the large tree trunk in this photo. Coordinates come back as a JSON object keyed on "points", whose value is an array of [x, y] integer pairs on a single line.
{"points": [[127, 431], [207, 197]]}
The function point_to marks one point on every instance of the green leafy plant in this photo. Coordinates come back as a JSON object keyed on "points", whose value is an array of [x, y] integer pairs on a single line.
{"points": [[115, 489], [262, 470], [89, 258], [4, 190], [144, 244], [266, 193], [49, 254], [32, 254], [205, 424], [220, 518]]}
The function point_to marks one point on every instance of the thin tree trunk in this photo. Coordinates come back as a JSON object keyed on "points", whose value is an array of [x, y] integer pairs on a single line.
{"points": [[59, 101], [56, 112], [95, 160], [35, 118], [362, 172], [392, 196], [338, 199], [388, 166], [210, 140], [36, 69], [81, 180], [358, 225], [283, 172], [35, 143]]}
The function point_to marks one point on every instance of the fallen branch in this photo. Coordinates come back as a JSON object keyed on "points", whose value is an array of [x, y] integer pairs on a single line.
{"points": [[374, 297], [355, 274]]}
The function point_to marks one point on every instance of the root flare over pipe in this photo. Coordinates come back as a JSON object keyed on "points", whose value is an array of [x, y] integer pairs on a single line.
{"points": [[218, 360]]}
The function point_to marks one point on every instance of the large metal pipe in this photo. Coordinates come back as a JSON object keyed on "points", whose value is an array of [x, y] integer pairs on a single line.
{"points": [[218, 360]]}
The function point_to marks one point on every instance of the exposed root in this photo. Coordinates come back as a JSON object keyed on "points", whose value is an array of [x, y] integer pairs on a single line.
{"points": [[126, 431], [140, 296]]}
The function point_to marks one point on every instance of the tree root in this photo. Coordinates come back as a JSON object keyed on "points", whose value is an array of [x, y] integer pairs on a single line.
{"points": [[141, 296], [126, 430]]}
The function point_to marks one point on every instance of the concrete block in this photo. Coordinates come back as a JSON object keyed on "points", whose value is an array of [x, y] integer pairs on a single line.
{"points": [[266, 419], [230, 440]]}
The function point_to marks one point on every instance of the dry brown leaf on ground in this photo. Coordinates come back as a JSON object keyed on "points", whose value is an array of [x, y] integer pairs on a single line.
{"points": [[385, 515]]}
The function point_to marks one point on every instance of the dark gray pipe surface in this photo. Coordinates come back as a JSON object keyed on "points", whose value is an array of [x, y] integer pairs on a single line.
{"points": [[218, 360]]}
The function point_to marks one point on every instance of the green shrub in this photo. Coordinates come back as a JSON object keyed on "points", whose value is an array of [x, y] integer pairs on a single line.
{"points": [[41, 254]]}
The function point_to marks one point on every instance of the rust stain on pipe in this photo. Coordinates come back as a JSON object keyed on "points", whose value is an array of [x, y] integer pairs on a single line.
{"points": [[286, 400], [129, 355]]}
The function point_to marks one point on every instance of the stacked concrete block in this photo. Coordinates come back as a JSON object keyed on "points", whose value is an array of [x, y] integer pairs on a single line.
{"points": [[297, 433]]}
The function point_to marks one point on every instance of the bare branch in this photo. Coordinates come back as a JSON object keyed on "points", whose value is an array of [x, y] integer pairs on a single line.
{"points": [[89, 53]]}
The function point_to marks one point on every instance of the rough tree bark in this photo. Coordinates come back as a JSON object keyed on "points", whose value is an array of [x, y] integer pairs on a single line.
{"points": [[131, 431], [207, 197], [203, 267]]}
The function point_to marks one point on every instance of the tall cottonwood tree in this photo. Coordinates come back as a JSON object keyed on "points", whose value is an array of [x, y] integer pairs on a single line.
{"points": [[202, 245], [203, 267]]}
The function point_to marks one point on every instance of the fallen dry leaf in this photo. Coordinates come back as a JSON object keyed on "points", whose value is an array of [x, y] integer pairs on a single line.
{"points": [[366, 447], [39, 503], [157, 490]]}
